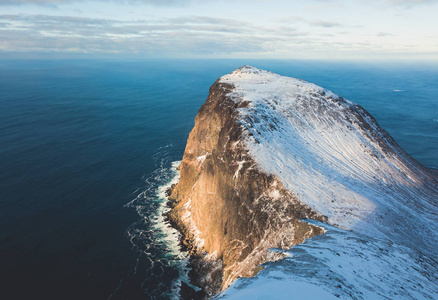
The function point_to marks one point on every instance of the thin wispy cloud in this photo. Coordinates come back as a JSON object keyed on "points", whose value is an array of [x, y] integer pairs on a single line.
{"points": [[194, 35], [384, 34], [312, 22], [326, 24], [206, 20], [411, 2], [276, 28], [55, 2]]}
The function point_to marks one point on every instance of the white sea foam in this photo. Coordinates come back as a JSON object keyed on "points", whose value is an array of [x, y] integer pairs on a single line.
{"points": [[157, 242], [160, 223], [169, 235]]}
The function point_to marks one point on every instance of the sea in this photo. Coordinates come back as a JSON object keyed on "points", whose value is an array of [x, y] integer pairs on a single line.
{"points": [[88, 148]]}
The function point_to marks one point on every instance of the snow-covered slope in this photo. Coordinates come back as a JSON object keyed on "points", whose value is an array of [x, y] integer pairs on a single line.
{"points": [[342, 265], [335, 158]]}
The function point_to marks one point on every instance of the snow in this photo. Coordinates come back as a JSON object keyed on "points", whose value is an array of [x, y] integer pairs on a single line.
{"points": [[186, 217], [341, 264], [300, 132], [337, 160], [201, 159], [291, 290], [239, 167]]}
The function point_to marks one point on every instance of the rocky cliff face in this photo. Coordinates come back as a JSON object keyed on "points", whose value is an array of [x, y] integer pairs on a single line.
{"points": [[225, 206], [267, 151]]}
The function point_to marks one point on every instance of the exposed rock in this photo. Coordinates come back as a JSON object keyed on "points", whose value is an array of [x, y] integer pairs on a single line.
{"points": [[235, 199], [225, 206]]}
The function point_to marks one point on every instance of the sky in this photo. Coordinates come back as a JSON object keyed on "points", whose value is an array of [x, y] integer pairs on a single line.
{"points": [[312, 29]]}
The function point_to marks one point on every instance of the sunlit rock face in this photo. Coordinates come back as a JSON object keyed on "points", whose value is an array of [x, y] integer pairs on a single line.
{"points": [[267, 151]]}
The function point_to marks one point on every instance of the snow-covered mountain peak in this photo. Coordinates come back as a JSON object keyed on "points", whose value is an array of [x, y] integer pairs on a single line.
{"points": [[336, 159], [248, 69], [252, 84], [330, 152], [268, 151]]}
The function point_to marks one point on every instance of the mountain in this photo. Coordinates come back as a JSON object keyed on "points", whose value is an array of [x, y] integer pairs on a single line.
{"points": [[268, 152]]}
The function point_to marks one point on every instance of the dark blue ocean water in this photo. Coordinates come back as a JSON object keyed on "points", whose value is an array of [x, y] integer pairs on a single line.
{"points": [[80, 140]]}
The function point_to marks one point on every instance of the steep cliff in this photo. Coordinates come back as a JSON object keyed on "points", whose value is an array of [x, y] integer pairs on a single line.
{"points": [[267, 151]]}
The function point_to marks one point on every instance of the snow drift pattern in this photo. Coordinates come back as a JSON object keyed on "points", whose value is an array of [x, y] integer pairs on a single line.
{"points": [[268, 150], [336, 158]]}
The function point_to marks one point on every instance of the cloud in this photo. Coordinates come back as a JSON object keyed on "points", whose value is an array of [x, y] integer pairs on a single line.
{"points": [[319, 23], [189, 35], [206, 20], [37, 2], [325, 24], [411, 2], [384, 34], [55, 2], [404, 3]]}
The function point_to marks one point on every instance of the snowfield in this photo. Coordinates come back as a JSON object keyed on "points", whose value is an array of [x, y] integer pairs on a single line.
{"points": [[381, 205], [341, 265]]}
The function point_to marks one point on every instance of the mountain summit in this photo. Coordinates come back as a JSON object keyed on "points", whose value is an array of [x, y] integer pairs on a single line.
{"points": [[269, 151]]}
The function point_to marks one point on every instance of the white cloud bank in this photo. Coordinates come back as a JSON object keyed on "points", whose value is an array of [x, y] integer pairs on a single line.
{"points": [[272, 29]]}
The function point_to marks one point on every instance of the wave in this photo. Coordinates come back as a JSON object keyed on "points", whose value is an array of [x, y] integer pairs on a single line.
{"points": [[161, 265]]}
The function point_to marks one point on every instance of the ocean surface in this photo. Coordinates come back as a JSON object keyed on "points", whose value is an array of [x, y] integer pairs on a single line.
{"points": [[87, 148]]}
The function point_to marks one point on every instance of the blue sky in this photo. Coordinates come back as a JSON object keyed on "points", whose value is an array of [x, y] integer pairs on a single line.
{"points": [[315, 29]]}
